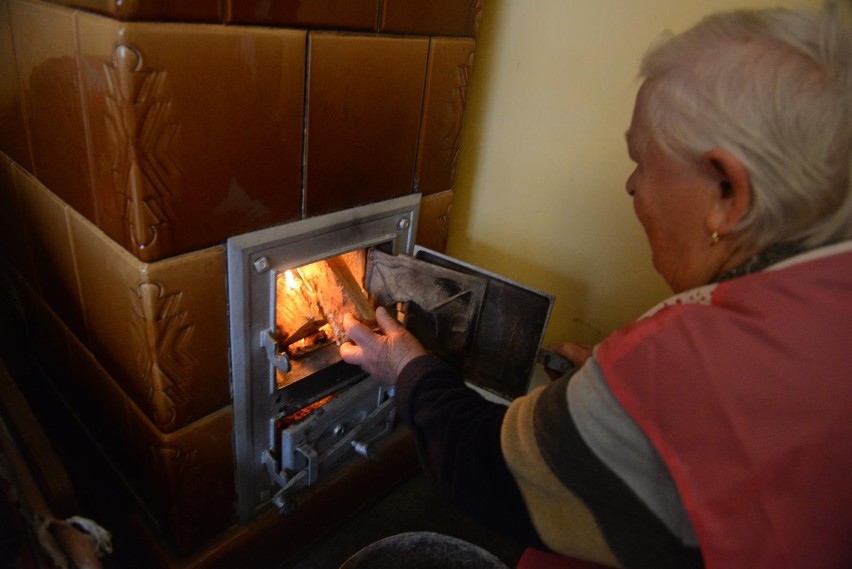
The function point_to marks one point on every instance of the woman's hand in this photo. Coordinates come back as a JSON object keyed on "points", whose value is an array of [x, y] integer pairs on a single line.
{"points": [[382, 356], [576, 353]]}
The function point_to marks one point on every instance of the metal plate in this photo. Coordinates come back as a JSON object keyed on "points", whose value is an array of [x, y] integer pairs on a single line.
{"points": [[504, 321], [441, 305]]}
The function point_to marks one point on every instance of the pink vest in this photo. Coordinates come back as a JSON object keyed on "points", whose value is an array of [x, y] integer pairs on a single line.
{"points": [[748, 399]]}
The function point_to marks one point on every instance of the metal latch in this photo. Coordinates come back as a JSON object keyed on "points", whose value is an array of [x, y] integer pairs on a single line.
{"points": [[277, 357]]}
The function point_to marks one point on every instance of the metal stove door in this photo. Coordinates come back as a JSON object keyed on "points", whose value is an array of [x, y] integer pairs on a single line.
{"points": [[487, 325]]}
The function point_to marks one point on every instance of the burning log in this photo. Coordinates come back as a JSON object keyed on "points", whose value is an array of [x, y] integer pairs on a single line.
{"points": [[352, 289], [321, 293]]}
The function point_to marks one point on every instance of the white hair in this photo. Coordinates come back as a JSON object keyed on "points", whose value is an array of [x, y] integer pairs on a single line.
{"points": [[773, 87]]}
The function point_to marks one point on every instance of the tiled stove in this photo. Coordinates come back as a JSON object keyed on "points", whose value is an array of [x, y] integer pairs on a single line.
{"points": [[136, 138]]}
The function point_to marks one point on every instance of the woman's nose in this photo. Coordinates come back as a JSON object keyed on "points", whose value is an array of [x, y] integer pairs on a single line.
{"points": [[630, 186]]}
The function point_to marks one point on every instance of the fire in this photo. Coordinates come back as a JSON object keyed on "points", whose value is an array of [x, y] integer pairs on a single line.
{"points": [[292, 284], [310, 302], [285, 422]]}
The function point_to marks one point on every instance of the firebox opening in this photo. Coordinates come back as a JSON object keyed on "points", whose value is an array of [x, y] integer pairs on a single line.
{"points": [[311, 301]]}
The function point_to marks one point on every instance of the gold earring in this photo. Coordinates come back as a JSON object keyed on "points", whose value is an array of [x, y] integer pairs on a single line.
{"points": [[714, 238]]}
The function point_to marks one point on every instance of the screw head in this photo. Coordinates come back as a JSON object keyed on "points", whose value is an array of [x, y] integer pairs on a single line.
{"points": [[286, 505], [261, 264]]}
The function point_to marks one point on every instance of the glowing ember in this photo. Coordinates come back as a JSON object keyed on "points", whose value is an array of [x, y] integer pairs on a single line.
{"points": [[285, 422]]}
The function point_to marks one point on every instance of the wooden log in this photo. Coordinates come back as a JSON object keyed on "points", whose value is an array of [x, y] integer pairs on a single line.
{"points": [[352, 288]]}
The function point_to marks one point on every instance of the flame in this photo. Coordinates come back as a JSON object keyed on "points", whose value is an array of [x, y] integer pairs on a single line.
{"points": [[292, 284]]}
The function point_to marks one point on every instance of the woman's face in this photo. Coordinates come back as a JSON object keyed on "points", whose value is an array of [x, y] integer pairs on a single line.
{"points": [[673, 200]]}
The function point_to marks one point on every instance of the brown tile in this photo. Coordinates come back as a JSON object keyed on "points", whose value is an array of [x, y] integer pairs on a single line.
{"points": [[46, 231], [450, 62], [438, 17], [13, 242], [365, 96], [13, 134], [185, 479], [196, 130], [433, 222], [45, 47], [327, 14], [99, 403], [159, 10], [160, 329], [46, 333]]}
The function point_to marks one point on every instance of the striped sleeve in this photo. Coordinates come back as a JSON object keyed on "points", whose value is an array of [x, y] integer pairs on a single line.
{"points": [[576, 465]]}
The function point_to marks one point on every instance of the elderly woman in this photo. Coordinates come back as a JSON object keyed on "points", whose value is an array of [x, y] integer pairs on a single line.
{"points": [[717, 429]]}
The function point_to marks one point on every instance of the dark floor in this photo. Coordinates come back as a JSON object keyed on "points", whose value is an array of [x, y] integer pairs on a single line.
{"points": [[414, 506], [411, 506]]}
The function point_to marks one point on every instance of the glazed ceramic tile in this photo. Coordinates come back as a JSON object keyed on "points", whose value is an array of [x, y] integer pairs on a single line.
{"points": [[438, 17], [12, 239], [159, 10], [433, 223], [196, 131], [45, 47], [450, 64], [160, 330], [13, 134], [46, 333], [365, 95], [98, 401], [325, 14], [46, 232], [185, 479]]}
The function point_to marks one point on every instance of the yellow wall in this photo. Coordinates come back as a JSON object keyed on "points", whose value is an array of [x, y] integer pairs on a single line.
{"points": [[540, 181]]}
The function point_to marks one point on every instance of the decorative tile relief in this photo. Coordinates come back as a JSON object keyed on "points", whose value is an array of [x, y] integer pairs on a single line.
{"points": [[45, 48], [186, 479], [159, 329], [433, 223], [13, 131], [438, 17], [322, 14], [143, 136], [166, 365], [365, 97], [450, 65], [196, 131]]}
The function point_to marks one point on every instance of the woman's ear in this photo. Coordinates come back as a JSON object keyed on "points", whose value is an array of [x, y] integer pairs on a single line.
{"points": [[732, 192]]}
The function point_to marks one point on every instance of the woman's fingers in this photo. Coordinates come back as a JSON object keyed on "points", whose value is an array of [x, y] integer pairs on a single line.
{"points": [[382, 355], [386, 322], [577, 353], [351, 353], [359, 333]]}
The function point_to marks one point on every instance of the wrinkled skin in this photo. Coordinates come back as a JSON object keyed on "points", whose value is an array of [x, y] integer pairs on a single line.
{"points": [[381, 355], [682, 203]]}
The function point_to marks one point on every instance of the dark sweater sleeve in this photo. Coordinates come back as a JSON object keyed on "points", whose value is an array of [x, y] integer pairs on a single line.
{"points": [[457, 432]]}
